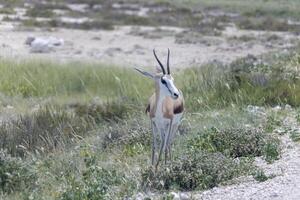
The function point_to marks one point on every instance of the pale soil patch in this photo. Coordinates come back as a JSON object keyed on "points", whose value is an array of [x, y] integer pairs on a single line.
{"points": [[124, 47]]}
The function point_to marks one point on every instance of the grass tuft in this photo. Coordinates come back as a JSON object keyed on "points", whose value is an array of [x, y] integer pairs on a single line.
{"points": [[45, 130]]}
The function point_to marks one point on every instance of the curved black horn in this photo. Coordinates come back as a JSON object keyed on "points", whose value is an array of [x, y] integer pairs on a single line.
{"points": [[162, 67], [168, 63]]}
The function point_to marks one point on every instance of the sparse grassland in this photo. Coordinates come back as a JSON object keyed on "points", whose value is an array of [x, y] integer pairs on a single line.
{"points": [[74, 131], [79, 130]]}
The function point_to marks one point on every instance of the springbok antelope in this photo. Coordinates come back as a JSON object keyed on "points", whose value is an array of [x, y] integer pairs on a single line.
{"points": [[165, 110]]}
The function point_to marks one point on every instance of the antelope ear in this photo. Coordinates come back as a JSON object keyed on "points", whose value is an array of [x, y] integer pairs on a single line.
{"points": [[158, 70], [145, 73]]}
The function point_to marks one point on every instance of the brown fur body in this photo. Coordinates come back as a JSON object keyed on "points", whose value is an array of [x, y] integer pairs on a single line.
{"points": [[170, 107]]}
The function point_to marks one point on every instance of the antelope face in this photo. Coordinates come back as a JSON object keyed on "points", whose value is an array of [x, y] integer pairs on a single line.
{"points": [[167, 86]]}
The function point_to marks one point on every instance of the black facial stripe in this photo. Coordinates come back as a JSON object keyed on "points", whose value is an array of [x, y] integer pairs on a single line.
{"points": [[166, 84], [167, 87]]}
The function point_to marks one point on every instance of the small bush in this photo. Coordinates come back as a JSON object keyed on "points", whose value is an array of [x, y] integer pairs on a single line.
{"points": [[15, 175], [271, 150], [7, 11], [272, 123], [38, 12], [295, 136], [93, 183], [236, 142], [260, 176], [194, 171], [268, 24]]}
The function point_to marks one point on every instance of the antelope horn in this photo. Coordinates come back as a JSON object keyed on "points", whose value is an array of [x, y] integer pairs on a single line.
{"points": [[162, 67], [168, 63]]}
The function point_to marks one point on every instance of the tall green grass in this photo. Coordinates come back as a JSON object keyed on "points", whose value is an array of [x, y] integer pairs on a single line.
{"points": [[44, 79], [245, 81]]}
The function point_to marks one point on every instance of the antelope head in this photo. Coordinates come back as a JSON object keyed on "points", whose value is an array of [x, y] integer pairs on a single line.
{"points": [[164, 81]]}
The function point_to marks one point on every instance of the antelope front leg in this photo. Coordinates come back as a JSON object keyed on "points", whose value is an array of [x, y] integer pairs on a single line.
{"points": [[163, 143], [154, 141]]}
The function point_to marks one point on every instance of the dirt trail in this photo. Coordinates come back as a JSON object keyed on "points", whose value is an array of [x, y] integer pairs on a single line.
{"points": [[285, 186]]}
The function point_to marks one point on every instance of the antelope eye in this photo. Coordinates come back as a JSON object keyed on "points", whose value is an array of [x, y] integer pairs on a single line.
{"points": [[163, 81]]}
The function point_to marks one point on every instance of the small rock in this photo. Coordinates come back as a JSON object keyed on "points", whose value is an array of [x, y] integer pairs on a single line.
{"points": [[79, 7], [96, 38], [175, 196], [274, 195], [9, 107], [288, 107], [29, 40], [276, 108], [184, 196], [139, 196], [40, 46], [56, 41], [255, 109], [43, 45], [112, 51]]}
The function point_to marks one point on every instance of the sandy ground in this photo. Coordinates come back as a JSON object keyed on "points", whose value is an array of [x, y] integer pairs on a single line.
{"points": [[132, 46]]}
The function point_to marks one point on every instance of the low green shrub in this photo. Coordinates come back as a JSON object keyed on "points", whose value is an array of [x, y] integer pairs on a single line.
{"points": [[272, 122], [15, 174], [94, 182], [260, 176], [268, 24], [271, 149], [38, 12], [213, 157], [200, 170], [236, 142]]}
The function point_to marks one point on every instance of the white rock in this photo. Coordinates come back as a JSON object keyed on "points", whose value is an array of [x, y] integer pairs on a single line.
{"points": [[175, 196], [255, 109], [288, 107], [276, 108], [29, 40], [43, 45], [9, 107], [79, 7], [139, 196], [56, 41], [184, 196], [40, 45]]}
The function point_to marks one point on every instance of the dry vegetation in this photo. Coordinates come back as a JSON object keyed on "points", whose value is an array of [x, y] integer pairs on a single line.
{"points": [[78, 131]]}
